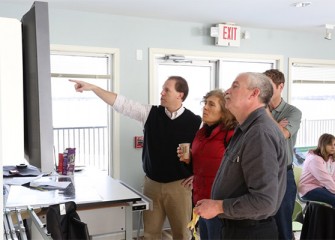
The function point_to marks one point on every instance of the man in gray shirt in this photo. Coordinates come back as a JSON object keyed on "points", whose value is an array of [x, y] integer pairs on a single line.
{"points": [[251, 181], [288, 119]]}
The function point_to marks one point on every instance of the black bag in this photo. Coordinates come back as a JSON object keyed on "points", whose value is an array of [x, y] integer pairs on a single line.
{"points": [[63, 222]]}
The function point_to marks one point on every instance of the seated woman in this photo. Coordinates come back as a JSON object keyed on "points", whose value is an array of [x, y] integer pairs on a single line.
{"points": [[317, 181]]}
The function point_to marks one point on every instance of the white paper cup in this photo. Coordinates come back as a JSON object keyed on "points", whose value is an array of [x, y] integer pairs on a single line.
{"points": [[185, 148]]}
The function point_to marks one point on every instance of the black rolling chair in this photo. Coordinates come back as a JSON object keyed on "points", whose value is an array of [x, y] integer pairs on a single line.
{"points": [[319, 222]]}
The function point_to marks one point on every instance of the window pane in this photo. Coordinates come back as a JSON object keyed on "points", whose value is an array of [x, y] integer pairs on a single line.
{"points": [[97, 65], [73, 109], [80, 120], [197, 77], [316, 101], [313, 93], [230, 69]]}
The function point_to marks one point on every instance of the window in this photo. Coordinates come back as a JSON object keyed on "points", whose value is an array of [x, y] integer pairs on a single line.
{"points": [[313, 83], [229, 69], [82, 120], [204, 71], [199, 76]]}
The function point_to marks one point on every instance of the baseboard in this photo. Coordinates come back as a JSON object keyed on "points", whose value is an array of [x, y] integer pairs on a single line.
{"points": [[117, 236], [121, 235]]}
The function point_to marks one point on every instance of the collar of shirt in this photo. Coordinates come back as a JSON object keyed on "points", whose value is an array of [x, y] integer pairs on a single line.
{"points": [[251, 118], [279, 108], [175, 114]]}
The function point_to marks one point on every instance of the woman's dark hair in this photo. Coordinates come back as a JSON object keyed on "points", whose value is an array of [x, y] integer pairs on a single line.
{"points": [[324, 140]]}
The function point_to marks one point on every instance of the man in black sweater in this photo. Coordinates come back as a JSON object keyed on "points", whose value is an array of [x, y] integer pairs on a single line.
{"points": [[165, 126]]}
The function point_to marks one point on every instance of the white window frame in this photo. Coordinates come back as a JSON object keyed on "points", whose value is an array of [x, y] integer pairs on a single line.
{"points": [[114, 134], [305, 61], [212, 56]]}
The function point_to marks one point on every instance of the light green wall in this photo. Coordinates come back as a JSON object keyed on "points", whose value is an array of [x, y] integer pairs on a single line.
{"points": [[129, 34]]}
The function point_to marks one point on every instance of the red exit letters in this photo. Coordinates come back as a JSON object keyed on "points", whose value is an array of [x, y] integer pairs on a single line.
{"points": [[229, 32], [229, 35]]}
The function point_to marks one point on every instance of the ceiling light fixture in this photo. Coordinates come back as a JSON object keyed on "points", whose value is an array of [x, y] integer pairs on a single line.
{"points": [[301, 4], [329, 28]]}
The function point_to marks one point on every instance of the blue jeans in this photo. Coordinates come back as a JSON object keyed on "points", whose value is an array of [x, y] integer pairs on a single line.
{"points": [[321, 195], [210, 228], [284, 215]]}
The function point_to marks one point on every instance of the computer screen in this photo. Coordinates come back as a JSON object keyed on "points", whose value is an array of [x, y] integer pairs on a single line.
{"points": [[38, 129]]}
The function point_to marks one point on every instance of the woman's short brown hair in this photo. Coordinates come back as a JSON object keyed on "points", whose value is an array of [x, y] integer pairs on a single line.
{"points": [[227, 119]]}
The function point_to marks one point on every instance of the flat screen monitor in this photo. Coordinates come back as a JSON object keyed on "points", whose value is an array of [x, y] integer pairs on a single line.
{"points": [[38, 129]]}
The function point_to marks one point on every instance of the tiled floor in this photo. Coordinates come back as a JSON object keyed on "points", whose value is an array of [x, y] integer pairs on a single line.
{"points": [[167, 235]]}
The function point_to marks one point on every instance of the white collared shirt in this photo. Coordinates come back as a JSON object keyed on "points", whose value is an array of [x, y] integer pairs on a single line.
{"points": [[175, 114], [139, 111]]}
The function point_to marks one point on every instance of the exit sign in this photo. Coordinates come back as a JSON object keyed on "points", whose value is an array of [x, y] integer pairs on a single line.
{"points": [[229, 35]]}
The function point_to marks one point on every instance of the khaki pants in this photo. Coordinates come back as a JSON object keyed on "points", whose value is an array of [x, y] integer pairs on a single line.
{"points": [[171, 200]]}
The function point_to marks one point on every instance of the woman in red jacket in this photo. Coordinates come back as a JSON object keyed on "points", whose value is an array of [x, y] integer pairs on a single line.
{"points": [[207, 151]]}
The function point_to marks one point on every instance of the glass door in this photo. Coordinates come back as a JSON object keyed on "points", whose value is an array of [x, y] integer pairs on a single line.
{"points": [[200, 76]]}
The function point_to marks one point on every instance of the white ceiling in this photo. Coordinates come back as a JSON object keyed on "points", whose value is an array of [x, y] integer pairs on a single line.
{"points": [[276, 14]]}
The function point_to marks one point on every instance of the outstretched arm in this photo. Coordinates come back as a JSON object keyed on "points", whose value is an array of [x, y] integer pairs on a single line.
{"points": [[106, 96], [120, 104]]}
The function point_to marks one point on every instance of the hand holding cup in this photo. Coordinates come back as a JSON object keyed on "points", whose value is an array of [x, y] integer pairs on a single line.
{"points": [[183, 152]]}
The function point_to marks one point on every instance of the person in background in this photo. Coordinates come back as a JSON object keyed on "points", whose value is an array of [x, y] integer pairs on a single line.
{"points": [[208, 148], [288, 119], [165, 126], [317, 180], [251, 181]]}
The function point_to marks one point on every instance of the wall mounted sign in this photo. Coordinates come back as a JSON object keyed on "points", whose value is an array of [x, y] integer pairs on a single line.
{"points": [[228, 35]]}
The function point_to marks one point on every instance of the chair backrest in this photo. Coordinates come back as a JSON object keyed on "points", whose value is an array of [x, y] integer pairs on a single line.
{"points": [[297, 173], [297, 212], [319, 222], [297, 217]]}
